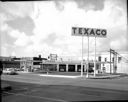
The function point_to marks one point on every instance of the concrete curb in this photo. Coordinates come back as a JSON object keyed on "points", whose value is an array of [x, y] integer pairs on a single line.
{"points": [[90, 77], [59, 76], [104, 77]]}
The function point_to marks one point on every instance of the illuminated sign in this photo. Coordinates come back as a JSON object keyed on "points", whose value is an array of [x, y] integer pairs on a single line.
{"points": [[91, 32]]}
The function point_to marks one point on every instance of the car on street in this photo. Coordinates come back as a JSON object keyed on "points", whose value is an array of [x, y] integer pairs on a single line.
{"points": [[9, 71]]}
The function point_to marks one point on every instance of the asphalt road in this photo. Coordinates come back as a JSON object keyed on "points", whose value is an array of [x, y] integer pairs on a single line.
{"points": [[117, 83], [34, 88]]}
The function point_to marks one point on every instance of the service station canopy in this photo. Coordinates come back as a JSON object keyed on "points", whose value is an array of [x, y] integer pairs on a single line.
{"points": [[91, 32]]}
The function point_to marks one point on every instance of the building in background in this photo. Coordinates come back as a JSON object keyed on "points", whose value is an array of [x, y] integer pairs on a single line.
{"points": [[26, 63], [37, 62], [10, 62], [31, 63], [3, 58], [117, 64]]}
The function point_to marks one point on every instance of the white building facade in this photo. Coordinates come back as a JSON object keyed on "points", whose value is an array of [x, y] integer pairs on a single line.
{"points": [[121, 63]]}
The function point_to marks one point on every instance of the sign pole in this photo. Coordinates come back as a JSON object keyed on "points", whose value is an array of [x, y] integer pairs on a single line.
{"points": [[88, 58], [110, 60], [95, 59], [78, 31], [82, 59]]}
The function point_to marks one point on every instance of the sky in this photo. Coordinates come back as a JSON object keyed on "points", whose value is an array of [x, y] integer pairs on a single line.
{"points": [[28, 29]]}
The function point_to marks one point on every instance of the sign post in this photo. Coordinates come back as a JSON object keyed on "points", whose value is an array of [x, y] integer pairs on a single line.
{"points": [[89, 32], [110, 60], [82, 59], [88, 58], [95, 59]]}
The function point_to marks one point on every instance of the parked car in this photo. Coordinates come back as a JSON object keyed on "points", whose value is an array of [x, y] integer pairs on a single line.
{"points": [[36, 69], [61, 69], [17, 69], [90, 70], [9, 71]]}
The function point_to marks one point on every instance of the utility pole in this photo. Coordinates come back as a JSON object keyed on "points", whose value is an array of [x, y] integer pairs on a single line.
{"points": [[114, 60]]}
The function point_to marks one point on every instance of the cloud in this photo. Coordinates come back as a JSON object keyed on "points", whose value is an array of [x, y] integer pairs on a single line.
{"points": [[120, 44], [6, 50], [53, 21], [22, 24], [19, 38], [9, 11], [17, 9], [13, 53], [90, 4], [43, 49], [4, 27], [3, 51], [82, 4], [22, 40], [15, 33]]}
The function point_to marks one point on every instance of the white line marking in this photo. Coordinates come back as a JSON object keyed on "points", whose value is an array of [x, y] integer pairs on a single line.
{"points": [[60, 76], [51, 99]]}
